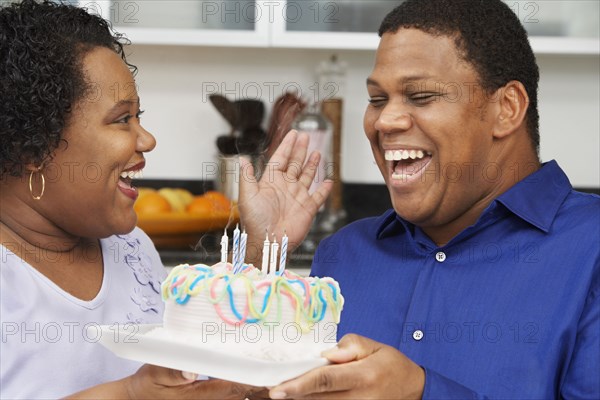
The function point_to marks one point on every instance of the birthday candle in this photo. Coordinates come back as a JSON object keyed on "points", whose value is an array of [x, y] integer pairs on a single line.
{"points": [[224, 245], [273, 264], [283, 256], [236, 247], [242, 253], [265, 259]]}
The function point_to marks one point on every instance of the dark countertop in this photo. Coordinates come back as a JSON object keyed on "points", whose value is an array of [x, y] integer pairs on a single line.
{"points": [[359, 201], [208, 252]]}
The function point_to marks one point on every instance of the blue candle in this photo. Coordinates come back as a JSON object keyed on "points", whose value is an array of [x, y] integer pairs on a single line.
{"points": [[236, 247], [242, 252], [283, 256]]}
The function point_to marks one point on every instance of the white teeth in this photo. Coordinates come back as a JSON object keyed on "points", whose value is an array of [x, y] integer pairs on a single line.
{"points": [[401, 177], [132, 174], [397, 155]]}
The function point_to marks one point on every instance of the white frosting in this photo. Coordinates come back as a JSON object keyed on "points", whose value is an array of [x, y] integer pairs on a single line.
{"points": [[282, 334]]}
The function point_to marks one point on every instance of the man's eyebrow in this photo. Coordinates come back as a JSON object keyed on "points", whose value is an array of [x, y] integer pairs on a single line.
{"points": [[404, 80]]}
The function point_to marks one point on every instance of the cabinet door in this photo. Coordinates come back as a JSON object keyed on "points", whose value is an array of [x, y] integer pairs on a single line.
{"points": [[560, 26], [339, 24], [185, 22], [554, 26]]}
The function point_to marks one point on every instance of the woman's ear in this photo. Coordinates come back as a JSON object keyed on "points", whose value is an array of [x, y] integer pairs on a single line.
{"points": [[29, 167], [513, 102]]}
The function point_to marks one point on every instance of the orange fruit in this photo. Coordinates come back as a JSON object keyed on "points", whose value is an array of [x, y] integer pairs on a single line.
{"points": [[151, 203], [220, 202], [201, 205], [144, 190]]}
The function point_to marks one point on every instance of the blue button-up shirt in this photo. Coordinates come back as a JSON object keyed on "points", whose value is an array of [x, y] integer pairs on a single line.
{"points": [[509, 308]]}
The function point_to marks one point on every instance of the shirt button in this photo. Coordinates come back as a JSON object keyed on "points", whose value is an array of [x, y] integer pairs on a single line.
{"points": [[440, 256], [418, 335]]}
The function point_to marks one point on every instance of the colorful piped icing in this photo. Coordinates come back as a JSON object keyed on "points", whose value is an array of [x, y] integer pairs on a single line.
{"points": [[310, 298]]}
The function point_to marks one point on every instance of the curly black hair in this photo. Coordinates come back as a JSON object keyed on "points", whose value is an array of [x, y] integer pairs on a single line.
{"points": [[42, 45], [489, 36]]}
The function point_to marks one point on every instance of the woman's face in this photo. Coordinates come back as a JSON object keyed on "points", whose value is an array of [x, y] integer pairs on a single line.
{"points": [[88, 182]]}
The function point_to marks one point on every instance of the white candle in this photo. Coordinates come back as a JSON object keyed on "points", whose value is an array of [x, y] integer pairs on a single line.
{"points": [[236, 247], [283, 256], [242, 253], [265, 259], [273, 263], [224, 245]]}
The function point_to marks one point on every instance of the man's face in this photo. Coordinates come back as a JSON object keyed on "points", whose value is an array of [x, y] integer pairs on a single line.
{"points": [[430, 128]]}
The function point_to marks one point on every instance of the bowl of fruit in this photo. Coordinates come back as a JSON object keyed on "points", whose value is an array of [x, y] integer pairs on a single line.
{"points": [[174, 217]]}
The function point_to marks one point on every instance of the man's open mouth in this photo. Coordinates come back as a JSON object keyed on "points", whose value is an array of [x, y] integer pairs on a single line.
{"points": [[407, 162]]}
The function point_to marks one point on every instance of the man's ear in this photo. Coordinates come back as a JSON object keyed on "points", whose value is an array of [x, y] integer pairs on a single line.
{"points": [[513, 103]]}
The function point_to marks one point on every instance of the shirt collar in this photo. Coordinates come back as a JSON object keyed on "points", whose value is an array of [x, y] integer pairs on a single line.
{"points": [[536, 199], [389, 224]]}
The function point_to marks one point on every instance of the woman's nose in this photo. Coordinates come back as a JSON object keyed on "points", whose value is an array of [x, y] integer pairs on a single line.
{"points": [[146, 141]]}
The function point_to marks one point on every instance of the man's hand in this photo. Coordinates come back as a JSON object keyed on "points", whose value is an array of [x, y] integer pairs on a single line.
{"points": [[361, 369], [280, 202]]}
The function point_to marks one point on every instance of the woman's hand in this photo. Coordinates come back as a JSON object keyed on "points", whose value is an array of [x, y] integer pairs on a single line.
{"points": [[280, 202], [152, 382], [362, 369], [162, 383]]}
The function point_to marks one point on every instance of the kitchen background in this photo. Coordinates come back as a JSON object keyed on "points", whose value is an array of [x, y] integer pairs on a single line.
{"points": [[187, 50]]}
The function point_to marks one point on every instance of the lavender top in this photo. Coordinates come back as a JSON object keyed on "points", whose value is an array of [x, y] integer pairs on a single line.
{"points": [[46, 349]]}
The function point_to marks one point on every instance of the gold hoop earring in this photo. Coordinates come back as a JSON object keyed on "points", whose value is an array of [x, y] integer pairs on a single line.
{"points": [[31, 184]]}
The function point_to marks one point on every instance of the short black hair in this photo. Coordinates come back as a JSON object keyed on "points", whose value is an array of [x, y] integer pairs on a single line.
{"points": [[487, 33], [42, 45]]}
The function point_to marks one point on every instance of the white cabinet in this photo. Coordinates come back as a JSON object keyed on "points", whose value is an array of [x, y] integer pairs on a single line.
{"points": [[340, 24], [560, 26], [186, 22], [555, 26]]}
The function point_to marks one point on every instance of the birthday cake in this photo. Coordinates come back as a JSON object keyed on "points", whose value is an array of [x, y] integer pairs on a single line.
{"points": [[277, 315]]}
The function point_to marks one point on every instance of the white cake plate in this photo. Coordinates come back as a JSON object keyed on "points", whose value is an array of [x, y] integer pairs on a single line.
{"points": [[131, 342]]}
